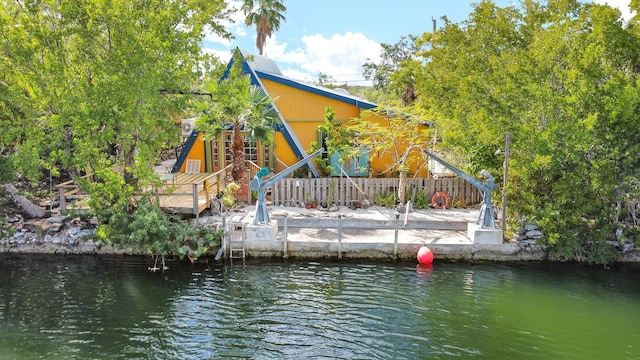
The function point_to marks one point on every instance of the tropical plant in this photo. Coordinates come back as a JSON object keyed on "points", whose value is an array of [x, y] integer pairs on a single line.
{"points": [[395, 72], [396, 137], [243, 107], [336, 139], [266, 16], [146, 228]]}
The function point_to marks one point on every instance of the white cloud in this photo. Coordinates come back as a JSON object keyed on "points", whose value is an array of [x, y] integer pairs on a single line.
{"points": [[341, 56], [622, 5]]}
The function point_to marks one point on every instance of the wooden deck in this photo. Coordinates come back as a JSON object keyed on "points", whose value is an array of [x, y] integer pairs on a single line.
{"points": [[183, 193], [179, 193]]}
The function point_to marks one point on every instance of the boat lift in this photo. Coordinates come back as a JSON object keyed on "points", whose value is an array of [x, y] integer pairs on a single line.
{"points": [[262, 215], [486, 218]]}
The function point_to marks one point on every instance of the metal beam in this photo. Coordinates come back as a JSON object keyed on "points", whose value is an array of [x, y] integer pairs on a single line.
{"points": [[486, 218]]}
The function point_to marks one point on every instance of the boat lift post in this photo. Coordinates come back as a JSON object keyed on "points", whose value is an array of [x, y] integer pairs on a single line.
{"points": [[262, 215], [486, 218]]}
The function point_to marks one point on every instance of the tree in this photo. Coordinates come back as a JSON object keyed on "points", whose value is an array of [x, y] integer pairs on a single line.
{"points": [[562, 77], [243, 107], [391, 134], [85, 80], [395, 71], [266, 16]]}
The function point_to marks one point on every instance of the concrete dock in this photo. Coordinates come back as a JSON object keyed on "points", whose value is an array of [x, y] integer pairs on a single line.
{"points": [[365, 233]]}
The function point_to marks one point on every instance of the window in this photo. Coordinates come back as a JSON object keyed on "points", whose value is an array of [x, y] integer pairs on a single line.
{"points": [[251, 152]]}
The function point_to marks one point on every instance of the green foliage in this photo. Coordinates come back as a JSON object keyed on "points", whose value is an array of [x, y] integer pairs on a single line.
{"points": [[244, 107], [81, 84], [6, 169], [148, 229], [395, 73], [386, 200], [562, 77], [266, 16], [228, 195], [420, 200]]}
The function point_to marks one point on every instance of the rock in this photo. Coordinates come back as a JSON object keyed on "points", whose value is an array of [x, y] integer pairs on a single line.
{"points": [[536, 234], [14, 218], [73, 231], [85, 233], [58, 219], [527, 243], [530, 227], [520, 230], [626, 247], [54, 228]]}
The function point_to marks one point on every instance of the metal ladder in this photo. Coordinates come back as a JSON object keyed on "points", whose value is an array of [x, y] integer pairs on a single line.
{"points": [[237, 245]]}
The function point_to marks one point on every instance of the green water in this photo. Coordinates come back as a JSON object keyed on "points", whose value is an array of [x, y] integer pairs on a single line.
{"points": [[85, 307]]}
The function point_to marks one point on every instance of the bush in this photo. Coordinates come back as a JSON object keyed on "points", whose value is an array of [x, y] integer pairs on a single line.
{"points": [[146, 228]]}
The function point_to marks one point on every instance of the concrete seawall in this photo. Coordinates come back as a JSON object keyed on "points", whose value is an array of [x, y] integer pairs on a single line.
{"points": [[371, 234], [314, 234]]}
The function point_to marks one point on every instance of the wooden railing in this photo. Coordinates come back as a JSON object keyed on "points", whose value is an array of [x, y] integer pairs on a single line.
{"points": [[192, 193], [69, 190]]}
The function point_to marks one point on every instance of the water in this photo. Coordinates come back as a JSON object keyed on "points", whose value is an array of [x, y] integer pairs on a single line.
{"points": [[85, 307]]}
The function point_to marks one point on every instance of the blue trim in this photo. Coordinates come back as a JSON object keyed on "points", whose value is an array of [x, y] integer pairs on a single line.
{"points": [[185, 151], [289, 139], [316, 90]]}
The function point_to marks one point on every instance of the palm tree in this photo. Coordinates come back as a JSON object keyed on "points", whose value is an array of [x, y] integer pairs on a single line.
{"points": [[245, 108], [266, 16]]}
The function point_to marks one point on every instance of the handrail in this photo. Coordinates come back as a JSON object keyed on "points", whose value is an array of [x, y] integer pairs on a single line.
{"points": [[70, 188]]}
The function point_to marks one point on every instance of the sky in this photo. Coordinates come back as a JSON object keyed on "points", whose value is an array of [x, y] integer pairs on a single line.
{"points": [[335, 37]]}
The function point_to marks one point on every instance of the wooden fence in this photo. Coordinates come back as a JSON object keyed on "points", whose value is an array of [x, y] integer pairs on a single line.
{"points": [[345, 191]]}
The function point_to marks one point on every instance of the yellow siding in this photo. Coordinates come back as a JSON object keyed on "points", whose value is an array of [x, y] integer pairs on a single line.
{"points": [[380, 164], [283, 152], [304, 112], [196, 153], [296, 104]]}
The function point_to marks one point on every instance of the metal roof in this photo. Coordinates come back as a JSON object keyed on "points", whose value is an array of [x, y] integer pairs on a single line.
{"points": [[260, 63], [319, 90], [267, 69]]}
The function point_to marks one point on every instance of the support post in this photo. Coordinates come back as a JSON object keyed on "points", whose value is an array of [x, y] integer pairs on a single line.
{"points": [[504, 182], [395, 239], [285, 235], [340, 236], [225, 233], [195, 201]]}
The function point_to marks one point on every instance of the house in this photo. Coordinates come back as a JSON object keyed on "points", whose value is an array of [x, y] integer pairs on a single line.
{"points": [[301, 108]]}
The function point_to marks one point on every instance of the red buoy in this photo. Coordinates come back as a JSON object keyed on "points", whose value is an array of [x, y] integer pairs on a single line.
{"points": [[425, 255]]}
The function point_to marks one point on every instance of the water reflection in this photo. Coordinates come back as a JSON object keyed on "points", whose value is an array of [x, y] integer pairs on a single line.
{"points": [[93, 307]]}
